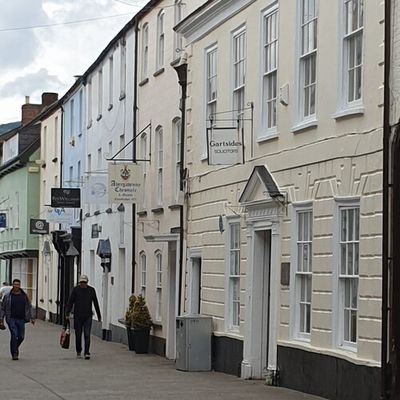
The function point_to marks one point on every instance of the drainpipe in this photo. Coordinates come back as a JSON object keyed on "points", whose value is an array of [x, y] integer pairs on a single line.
{"points": [[135, 107], [181, 70], [386, 375]]}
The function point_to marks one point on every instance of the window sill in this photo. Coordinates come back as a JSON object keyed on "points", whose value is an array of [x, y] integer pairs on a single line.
{"points": [[159, 71], [158, 210], [349, 112], [267, 137], [143, 82], [122, 96], [307, 124], [157, 324], [175, 206], [99, 117], [110, 107]]}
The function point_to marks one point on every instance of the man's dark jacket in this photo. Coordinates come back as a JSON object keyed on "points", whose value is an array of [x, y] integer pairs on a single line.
{"points": [[6, 306], [81, 300]]}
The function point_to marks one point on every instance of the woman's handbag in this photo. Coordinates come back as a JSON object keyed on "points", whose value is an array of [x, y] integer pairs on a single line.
{"points": [[65, 336]]}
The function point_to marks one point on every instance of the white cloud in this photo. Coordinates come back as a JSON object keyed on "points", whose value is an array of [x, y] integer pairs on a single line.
{"points": [[46, 59]]}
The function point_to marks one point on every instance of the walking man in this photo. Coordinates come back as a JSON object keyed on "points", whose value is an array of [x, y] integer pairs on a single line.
{"points": [[82, 299], [17, 309]]}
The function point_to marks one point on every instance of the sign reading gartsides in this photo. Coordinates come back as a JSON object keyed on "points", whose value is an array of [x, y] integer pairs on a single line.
{"points": [[225, 146], [125, 183]]}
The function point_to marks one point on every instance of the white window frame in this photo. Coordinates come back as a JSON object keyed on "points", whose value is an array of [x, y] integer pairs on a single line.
{"points": [[123, 69], [159, 270], [239, 86], [160, 48], [345, 105], [269, 72], [111, 82], [89, 102], [144, 153], [301, 273], [143, 274], [145, 51], [55, 154], [211, 75], [177, 131], [341, 278], [232, 317], [307, 57], [72, 118], [100, 93], [80, 114], [160, 165]]}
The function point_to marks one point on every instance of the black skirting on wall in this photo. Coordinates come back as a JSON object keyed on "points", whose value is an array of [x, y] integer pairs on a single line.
{"points": [[327, 376], [227, 355]]}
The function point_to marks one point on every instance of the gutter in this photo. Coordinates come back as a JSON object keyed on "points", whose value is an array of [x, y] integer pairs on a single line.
{"points": [[386, 373]]}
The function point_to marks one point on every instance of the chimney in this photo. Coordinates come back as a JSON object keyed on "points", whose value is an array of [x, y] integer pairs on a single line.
{"points": [[29, 111], [48, 98]]}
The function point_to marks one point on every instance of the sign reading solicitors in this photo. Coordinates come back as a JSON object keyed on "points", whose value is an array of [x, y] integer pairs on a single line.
{"points": [[225, 146], [65, 197], [125, 183], [39, 226]]}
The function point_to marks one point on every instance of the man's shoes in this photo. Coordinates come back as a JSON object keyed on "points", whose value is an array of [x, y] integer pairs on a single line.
{"points": [[87, 356], [78, 355], [15, 356]]}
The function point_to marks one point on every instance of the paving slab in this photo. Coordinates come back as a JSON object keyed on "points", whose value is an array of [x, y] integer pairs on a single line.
{"points": [[47, 372]]}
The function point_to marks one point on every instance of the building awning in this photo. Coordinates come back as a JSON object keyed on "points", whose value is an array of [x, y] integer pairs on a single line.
{"points": [[8, 255]]}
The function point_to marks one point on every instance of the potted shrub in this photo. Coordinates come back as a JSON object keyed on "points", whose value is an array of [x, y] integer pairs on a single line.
{"points": [[128, 322], [139, 321]]}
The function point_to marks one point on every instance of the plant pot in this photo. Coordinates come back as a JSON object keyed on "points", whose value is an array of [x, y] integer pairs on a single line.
{"points": [[141, 339], [131, 338]]}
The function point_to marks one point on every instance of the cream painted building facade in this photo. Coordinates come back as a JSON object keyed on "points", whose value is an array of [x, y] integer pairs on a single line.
{"points": [[50, 158], [289, 242], [159, 274]]}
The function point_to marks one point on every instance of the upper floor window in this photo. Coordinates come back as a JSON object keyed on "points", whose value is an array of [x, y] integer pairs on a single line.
{"points": [[80, 111], [353, 50], [72, 118], [160, 39], [123, 69], [100, 93], [177, 130], [308, 59], [89, 102], [160, 164], [212, 81], [143, 153], [270, 68], [111, 81], [178, 38], [239, 74], [145, 50], [55, 137]]}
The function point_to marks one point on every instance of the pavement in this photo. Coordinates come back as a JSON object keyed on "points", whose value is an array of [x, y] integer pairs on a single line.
{"points": [[47, 372]]}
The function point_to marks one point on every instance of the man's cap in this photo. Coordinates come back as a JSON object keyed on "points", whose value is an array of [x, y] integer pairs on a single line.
{"points": [[84, 278]]}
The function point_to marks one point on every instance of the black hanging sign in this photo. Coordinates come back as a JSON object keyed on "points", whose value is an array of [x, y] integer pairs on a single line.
{"points": [[39, 227], [66, 197]]}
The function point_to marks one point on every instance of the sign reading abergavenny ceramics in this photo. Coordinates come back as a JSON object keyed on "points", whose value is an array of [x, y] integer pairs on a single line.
{"points": [[125, 183], [66, 197]]}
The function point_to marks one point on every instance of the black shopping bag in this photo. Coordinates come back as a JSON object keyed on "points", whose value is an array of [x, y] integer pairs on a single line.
{"points": [[65, 336]]}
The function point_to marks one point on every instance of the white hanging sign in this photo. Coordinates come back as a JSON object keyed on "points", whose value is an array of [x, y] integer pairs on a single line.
{"points": [[125, 183], [60, 215], [95, 189], [225, 146]]}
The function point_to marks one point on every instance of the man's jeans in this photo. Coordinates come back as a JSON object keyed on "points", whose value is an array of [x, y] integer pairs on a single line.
{"points": [[85, 325], [17, 330]]}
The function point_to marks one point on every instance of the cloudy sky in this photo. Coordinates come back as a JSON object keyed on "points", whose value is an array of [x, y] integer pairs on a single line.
{"points": [[37, 60]]}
